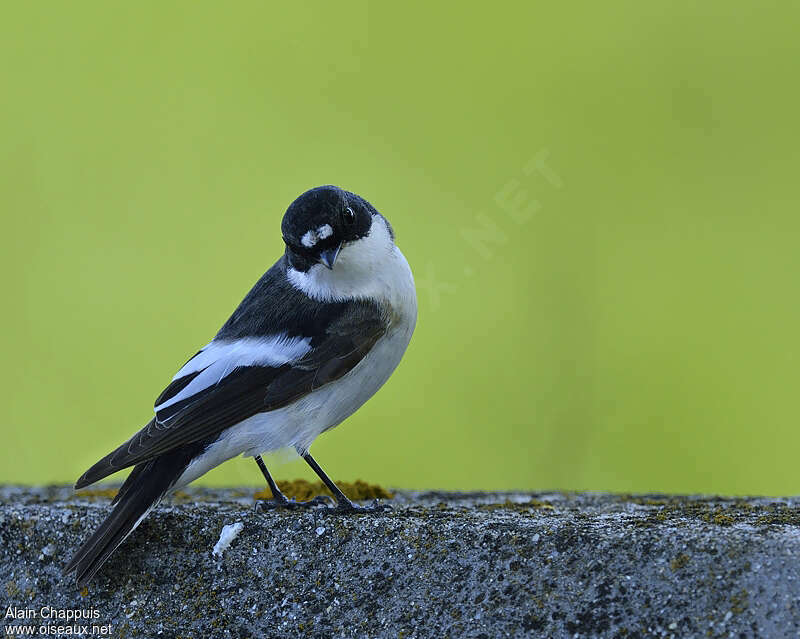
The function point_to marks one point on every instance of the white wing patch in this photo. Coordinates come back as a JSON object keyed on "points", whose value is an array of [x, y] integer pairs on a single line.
{"points": [[221, 357], [310, 238]]}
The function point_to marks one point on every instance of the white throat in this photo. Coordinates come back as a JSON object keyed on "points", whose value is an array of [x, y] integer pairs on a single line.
{"points": [[372, 267]]}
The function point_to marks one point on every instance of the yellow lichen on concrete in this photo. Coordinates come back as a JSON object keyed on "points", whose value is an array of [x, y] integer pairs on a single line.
{"points": [[303, 490], [109, 493], [679, 562]]}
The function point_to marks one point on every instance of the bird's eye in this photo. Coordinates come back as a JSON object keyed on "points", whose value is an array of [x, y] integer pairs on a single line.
{"points": [[349, 215]]}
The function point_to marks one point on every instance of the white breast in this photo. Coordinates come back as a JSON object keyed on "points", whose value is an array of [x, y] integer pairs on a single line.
{"points": [[370, 268], [388, 279]]}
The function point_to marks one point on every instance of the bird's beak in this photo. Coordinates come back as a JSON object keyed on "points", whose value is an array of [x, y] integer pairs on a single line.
{"points": [[328, 257]]}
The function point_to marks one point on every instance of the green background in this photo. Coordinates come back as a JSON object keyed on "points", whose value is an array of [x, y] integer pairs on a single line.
{"points": [[599, 202]]}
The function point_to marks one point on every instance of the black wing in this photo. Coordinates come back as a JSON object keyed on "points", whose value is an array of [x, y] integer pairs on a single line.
{"points": [[244, 390]]}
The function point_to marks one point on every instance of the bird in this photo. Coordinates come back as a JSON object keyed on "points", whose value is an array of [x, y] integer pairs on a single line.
{"points": [[318, 334]]}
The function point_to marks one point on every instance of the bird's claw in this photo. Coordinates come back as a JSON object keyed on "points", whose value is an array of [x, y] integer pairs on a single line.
{"points": [[350, 507], [343, 507], [291, 504]]}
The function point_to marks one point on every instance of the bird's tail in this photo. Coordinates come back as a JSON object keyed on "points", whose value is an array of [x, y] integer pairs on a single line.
{"points": [[142, 490]]}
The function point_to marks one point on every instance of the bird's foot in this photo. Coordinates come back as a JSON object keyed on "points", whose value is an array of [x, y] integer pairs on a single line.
{"points": [[347, 507], [292, 504]]}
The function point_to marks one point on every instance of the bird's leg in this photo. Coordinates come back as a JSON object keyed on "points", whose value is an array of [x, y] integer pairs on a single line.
{"points": [[343, 504], [277, 495], [279, 500]]}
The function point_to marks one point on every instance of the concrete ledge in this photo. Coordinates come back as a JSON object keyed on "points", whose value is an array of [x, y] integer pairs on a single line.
{"points": [[439, 565]]}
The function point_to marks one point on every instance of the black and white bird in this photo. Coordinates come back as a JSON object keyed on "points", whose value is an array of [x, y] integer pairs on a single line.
{"points": [[314, 339]]}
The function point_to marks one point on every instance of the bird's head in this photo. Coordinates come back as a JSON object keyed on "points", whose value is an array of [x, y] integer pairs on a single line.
{"points": [[328, 226]]}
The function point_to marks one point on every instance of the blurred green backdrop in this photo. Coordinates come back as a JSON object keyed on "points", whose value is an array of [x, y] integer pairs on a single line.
{"points": [[599, 202]]}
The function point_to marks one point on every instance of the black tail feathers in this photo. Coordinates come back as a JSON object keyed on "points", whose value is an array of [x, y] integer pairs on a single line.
{"points": [[142, 490]]}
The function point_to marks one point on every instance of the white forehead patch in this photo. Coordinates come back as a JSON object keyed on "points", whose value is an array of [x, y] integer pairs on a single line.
{"points": [[312, 237], [309, 239]]}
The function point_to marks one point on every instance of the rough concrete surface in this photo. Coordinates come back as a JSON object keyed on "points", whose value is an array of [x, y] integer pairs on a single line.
{"points": [[438, 565]]}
